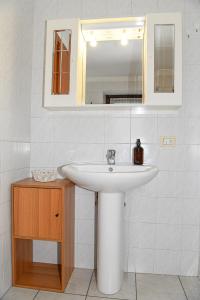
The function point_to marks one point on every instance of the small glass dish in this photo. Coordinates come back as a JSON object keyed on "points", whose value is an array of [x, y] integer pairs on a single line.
{"points": [[44, 175]]}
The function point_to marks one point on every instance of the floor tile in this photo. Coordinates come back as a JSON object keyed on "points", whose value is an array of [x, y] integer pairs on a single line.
{"points": [[79, 282], [127, 291], [149, 287], [159, 287], [19, 294], [191, 286], [97, 298], [166, 296], [58, 296]]}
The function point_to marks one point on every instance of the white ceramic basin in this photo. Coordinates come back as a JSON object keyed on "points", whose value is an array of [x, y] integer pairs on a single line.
{"points": [[109, 179], [111, 183]]}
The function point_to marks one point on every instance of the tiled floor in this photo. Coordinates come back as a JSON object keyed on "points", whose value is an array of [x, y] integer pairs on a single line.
{"points": [[82, 286]]}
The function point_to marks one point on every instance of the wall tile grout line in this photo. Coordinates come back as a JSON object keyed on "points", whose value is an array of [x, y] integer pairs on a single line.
{"points": [[130, 117], [183, 246], [102, 296], [89, 284], [136, 285], [105, 297], [99, 297], [73, 294], [5, 293], [36, 295], [183, 288]]}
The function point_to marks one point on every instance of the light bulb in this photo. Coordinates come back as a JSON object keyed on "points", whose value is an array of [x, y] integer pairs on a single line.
{"points": [[124, 41], [93, 43]]}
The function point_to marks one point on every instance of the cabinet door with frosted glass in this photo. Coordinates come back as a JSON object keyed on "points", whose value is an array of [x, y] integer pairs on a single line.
{"points": [[63, 64], [163, 59]]}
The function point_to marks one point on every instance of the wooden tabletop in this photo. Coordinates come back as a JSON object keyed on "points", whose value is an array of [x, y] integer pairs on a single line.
{"points": [[30, 182]]}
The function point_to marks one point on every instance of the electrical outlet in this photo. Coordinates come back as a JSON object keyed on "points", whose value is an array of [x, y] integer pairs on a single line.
{"points": [[168, 141]]}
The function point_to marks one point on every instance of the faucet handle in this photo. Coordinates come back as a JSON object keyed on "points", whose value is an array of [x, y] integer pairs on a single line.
{"points": [[111, 156], [111, 152]]}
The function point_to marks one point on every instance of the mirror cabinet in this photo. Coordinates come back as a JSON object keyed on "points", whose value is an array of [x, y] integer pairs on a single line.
{"points": [[122, 61]]}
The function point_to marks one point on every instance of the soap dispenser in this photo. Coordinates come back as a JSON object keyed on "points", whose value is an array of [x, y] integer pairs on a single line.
{"points": [[138, 153]]}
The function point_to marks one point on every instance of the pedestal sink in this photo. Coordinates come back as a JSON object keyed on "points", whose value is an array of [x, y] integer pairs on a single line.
{"points": [[111, 182]]}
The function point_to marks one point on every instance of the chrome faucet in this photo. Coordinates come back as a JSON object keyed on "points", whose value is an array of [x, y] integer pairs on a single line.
{"points": [[111, 156]]}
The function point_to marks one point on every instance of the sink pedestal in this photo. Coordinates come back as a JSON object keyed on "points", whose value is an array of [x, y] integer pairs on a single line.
{"points": [[110, 242], [113, 185]]}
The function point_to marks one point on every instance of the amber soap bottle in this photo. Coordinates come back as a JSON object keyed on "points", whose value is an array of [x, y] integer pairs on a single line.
{"points": [[138, 153]]}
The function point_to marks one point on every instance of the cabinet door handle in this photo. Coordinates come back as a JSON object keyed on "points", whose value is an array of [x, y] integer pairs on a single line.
{"points": [[56, 215]]}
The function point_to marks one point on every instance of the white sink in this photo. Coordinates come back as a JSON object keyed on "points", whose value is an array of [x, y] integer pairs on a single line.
{"points": [[111, 182], [108, 178]]}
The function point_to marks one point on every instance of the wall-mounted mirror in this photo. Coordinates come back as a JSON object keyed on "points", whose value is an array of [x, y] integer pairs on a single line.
{"points": [[114, 65]]}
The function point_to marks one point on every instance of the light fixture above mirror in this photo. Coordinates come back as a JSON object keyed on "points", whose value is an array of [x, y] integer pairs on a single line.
{"points": [[113, 32]]}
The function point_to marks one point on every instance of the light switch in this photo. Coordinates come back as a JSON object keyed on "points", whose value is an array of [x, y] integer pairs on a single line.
{"points": [[168, 141]]}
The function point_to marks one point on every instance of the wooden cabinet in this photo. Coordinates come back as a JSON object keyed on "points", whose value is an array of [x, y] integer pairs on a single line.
{"points": [[40, 216], [42, 211]]}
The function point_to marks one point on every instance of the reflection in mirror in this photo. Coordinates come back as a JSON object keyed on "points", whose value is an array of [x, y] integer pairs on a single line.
{"points": [[114, 72], [164, 58], [61, 62]]}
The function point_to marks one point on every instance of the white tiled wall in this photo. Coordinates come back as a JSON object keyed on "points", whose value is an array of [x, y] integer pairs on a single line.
{"points": [[16, 25], [162, 218]]}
